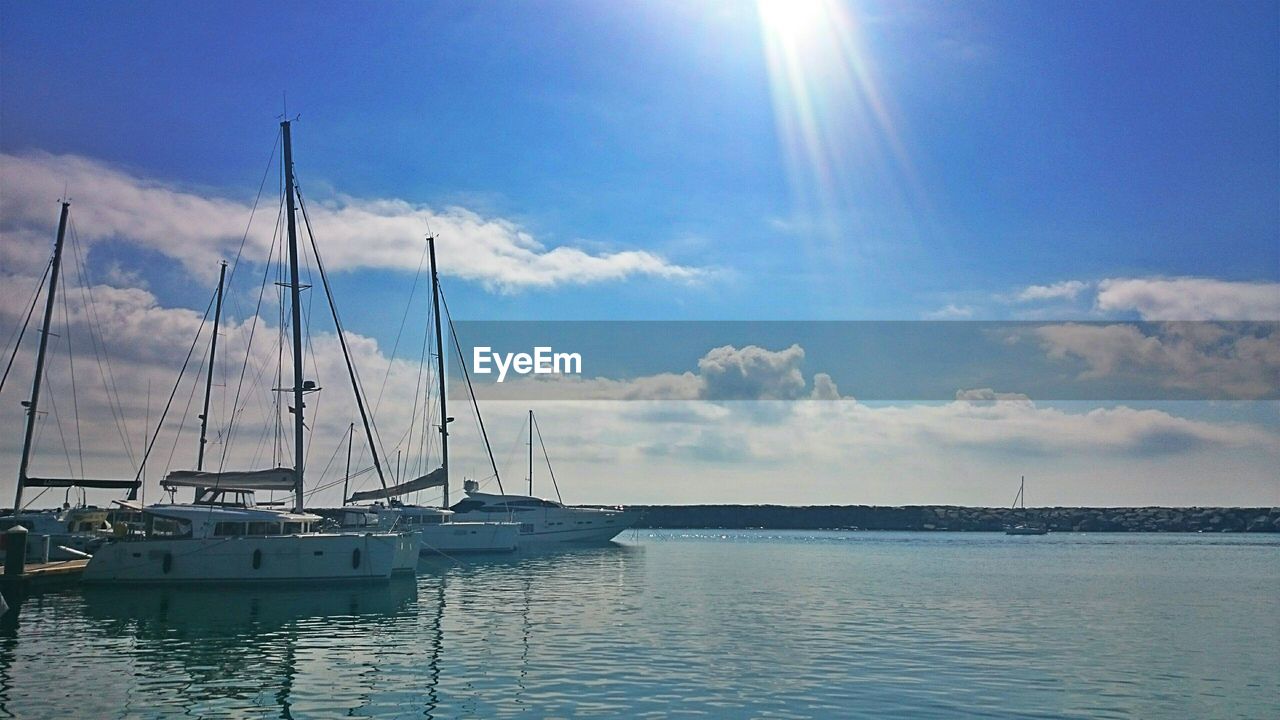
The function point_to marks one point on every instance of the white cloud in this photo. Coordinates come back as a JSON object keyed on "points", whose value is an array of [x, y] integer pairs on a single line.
{"points": [[1065, 290], [693, 450], [1190, 298], [950, 312], [1214, 358], [987, 395], [200, 228]]}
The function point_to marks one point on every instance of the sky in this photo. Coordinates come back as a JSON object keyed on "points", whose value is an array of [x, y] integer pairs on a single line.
{"points": [[1113, 165]]}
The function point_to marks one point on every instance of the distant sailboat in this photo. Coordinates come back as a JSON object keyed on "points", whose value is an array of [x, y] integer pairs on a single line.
{"points": [[1024, 527]]}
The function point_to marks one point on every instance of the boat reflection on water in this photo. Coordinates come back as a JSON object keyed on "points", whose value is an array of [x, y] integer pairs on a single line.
{"points": [[473, 637], [240, 610]]}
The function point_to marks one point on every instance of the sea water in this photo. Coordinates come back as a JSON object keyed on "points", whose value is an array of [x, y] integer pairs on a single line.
{"points": [[693, 623]]}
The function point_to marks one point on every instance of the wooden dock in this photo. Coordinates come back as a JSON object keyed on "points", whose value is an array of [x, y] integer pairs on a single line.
{"points": [[41, 574], [37, 577]]}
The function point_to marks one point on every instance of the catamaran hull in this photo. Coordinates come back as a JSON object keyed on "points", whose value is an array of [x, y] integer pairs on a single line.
{"points": [[408, 544], [252, 560], [457, 538]]}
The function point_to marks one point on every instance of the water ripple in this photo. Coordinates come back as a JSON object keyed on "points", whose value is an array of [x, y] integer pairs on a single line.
{"points": [[698, 624]]}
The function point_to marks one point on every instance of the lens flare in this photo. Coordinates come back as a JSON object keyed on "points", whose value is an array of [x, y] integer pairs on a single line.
{"points": [[838, 136]]}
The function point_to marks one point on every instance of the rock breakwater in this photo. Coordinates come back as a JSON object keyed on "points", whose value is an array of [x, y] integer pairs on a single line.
{"points": [[958, 518]]}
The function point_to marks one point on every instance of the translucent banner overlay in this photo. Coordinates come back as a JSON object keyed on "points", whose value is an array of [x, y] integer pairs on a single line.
{"points": [[872, 361]]}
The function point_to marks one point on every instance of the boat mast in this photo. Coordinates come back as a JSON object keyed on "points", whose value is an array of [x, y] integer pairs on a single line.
{"points": [[530, 452], [299, 448], [346, 479], [208, 380], [34, 403], [444, 413]]}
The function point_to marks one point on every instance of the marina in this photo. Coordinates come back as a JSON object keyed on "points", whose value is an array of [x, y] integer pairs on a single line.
{"points": [[582, 359]]}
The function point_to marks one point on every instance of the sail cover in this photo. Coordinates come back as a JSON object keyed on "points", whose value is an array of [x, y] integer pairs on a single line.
{"points": [[273, 479], [435, 478], [80, 482]]}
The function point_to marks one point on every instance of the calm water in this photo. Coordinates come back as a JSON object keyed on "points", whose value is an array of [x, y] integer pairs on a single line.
{"points": [[694, 623]]}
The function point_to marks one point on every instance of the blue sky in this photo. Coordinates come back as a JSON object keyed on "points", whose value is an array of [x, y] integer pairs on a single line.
{"points": [[676, 160], [1050, 141]]}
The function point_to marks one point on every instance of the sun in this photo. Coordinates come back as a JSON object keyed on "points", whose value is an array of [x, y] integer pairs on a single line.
{"points": [[792, 20]]}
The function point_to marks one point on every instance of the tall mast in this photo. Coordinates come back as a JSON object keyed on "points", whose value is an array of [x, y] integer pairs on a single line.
{"points": [[34, 404], [531, 452], [295, 288], [444, 413], [208, 380]]}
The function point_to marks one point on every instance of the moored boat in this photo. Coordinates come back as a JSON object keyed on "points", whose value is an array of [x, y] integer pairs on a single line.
{"points": [[210, 544], [221, 537]]}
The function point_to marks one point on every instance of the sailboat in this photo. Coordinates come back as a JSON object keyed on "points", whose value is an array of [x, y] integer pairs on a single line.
{"points": [[543, 521], [70, 532], [435, 527], [1024, 527], [222, 537]]}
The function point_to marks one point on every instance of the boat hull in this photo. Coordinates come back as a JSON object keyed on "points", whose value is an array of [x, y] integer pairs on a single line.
{"points": [[405, 561], [552, 526], [456, 538], [252, 560]]}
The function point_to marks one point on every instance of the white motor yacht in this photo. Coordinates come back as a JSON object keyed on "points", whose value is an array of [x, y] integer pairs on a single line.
{"points": [[545, 521], [440, 534]]}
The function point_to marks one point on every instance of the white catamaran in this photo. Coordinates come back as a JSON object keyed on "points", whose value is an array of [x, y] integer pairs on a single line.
{"points": [[222, 537]]}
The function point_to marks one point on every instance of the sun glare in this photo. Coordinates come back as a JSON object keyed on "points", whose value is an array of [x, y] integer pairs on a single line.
{"points": [[792, 19], [837, 135]]}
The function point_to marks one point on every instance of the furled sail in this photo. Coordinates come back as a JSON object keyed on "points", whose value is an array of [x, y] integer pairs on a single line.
{"points": [[80, 482], [273, 479], [435, 478]]}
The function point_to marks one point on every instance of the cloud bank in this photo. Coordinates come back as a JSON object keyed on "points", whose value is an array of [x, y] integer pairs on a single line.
{"points": [[199, 228]]}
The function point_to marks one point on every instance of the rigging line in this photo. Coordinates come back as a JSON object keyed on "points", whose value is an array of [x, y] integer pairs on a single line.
{"points": [[337, 449], [413, 289], [30, 502], [369, 427], [186, 413], [462, 362], [35, 299], [424, 439], [57, 421], [261, 186], [236, 410], [96, 341], [547, 456], [159, 424], [75, 400]]}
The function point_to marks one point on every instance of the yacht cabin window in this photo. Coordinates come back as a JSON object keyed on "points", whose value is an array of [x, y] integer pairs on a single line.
{"points": [[168, 527]]}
